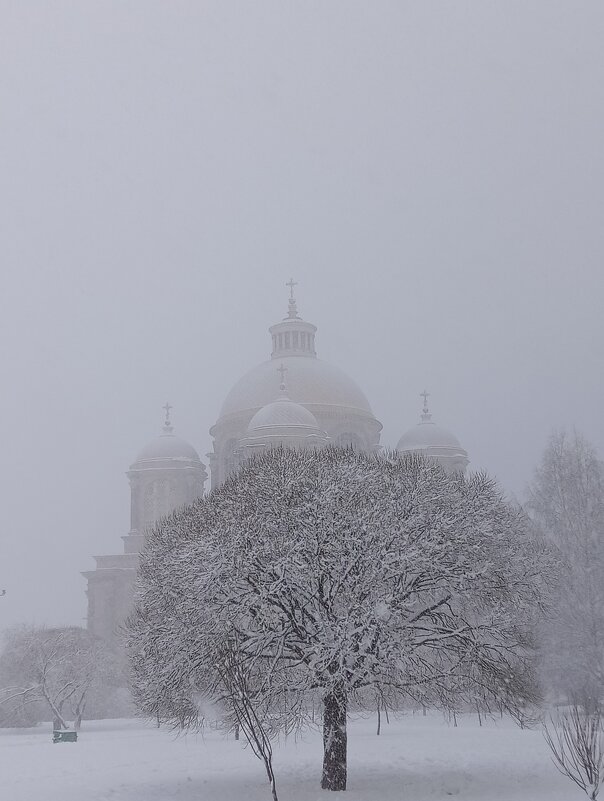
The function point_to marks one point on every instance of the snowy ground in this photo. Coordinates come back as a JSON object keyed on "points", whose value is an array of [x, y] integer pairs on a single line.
{"points": [[415, 758]]}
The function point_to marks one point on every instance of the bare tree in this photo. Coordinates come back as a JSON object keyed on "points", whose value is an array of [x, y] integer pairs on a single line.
{"points": [[567, 498], [55, 667], [576, 740], [248, 707], [342, 574]]}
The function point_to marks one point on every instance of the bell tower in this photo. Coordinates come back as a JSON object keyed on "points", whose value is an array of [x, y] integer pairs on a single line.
{"points": [[166, 475]]}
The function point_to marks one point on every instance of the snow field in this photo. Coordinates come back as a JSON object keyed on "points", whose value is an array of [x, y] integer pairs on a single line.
{"points": [[415, 758]]}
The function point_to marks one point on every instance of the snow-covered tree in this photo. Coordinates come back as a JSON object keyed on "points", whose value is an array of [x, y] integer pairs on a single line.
{"points": [[567, 497], [339, 574], [52, 669]]}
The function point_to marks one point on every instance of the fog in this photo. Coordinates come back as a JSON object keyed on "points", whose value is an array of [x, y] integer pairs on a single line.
{"points": [[430, 173]]}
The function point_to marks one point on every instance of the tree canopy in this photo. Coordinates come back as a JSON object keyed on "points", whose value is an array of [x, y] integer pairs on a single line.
{"points": [[340, 575]]}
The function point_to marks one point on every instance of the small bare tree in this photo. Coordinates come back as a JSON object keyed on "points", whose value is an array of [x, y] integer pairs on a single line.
{"points": [[54, 668], [249, 715], [567, 499], [576, 740]]}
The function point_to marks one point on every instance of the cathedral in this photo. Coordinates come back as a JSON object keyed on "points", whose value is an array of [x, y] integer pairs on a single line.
{"points": [[293, 399]]}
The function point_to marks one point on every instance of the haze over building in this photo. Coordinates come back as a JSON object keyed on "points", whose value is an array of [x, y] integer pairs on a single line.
{"points": [[293, 399]]}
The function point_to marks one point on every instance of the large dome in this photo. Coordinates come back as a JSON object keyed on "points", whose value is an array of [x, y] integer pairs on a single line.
{"points": [[341, 412], [310, 381]]}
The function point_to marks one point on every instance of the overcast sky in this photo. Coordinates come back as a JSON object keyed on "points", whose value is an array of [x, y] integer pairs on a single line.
{"points": [[431, 173]]}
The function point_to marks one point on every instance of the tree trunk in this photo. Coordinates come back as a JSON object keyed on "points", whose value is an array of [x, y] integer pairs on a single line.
{"points": [[58, 721], [79, 712], [334, 741], [77, 723]]}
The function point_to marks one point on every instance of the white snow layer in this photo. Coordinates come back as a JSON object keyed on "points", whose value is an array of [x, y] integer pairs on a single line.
{"points": [[415, 758]]}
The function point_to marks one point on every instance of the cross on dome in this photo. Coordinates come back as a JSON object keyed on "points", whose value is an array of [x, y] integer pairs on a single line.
{"points": [[292, 311], [426, 416], [291, 284], [167, 424], [282, 369]]}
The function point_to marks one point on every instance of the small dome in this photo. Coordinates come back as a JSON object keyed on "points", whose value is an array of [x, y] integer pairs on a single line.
{"points": [[168, 446], [428, 435], [283, 413], [282, 422], [433, 441], [167, 451]]}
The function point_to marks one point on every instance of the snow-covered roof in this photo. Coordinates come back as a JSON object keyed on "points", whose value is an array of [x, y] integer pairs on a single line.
{"points": [[310, 381], [283, 413], [166, 447], [426, 435]]}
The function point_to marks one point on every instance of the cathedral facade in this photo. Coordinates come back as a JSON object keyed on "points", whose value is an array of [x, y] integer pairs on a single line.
{"points": [[293, 399]]}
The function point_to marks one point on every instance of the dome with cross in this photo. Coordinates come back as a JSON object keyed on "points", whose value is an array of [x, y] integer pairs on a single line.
{"points": [[283, 422], [434, 441], [338, 404], [166, 450]]}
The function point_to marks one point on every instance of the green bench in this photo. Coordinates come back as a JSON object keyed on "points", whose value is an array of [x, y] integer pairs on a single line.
{"points": [[59, 736]]}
